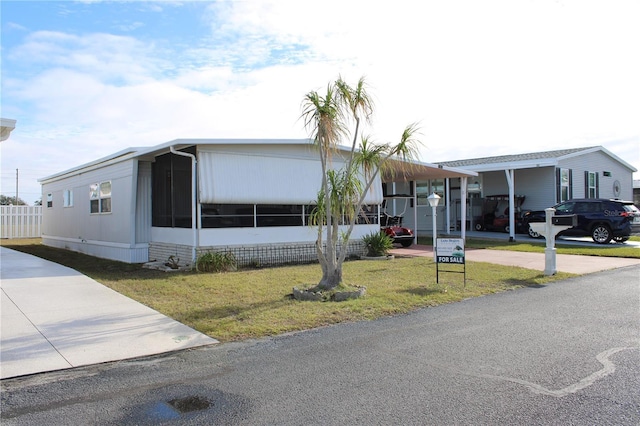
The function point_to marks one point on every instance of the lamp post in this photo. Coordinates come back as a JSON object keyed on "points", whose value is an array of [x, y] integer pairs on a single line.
{"points": [[434, 200]]}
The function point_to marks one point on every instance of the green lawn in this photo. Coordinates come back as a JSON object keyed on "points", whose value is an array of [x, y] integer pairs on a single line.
{"points": [[608, 250], [256, 303]]}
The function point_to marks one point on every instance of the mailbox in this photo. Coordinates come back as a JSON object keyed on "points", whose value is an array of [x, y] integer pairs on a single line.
{"points": [[567, 220]]}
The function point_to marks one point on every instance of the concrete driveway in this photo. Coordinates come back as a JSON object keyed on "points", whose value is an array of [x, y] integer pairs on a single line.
{"points": [[564, 262], [54, 317]]}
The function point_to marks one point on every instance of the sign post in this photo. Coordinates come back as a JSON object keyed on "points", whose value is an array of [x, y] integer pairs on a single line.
{"points": [[450, 251]]}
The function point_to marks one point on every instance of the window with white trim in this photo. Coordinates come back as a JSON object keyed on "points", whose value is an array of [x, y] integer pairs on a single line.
{"points": [[100, 197], [592, 185], [67, 198], [565, 182]]}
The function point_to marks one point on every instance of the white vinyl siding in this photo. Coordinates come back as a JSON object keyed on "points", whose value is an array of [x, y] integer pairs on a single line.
{"points": [[78, 223], [598, 162]]}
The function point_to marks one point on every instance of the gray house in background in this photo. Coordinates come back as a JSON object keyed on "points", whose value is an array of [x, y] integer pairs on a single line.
{"points": [[546, 178]]}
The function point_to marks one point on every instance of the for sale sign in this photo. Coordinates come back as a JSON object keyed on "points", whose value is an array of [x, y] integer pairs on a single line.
{"points": [[450, 250]]}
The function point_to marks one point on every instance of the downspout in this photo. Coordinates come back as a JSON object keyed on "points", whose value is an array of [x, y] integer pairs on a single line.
{"points": [[194, 199], [134, 203]]}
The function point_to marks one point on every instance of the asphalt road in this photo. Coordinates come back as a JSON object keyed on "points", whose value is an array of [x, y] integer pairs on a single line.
{"points": [[566, 353]]}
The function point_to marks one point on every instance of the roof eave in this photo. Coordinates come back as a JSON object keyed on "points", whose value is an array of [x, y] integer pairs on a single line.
{"points": [[531, 164], [125, 154]]}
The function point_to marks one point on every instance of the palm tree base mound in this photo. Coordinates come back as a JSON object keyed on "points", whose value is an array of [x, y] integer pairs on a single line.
{"points": [[335, 295]]}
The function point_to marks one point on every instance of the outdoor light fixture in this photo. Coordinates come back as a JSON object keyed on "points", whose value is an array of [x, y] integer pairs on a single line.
{"points": [[434, 200]]}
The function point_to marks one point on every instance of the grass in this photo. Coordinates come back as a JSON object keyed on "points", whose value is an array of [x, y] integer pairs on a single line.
{"points": [[609, 250], [256, 303]]}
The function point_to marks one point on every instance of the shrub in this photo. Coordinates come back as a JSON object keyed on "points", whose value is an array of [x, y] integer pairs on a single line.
{"points": [[215, 261], [377, 244]]}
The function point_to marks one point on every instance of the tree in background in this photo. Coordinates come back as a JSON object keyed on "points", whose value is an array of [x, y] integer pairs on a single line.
{"points": [[328, 117], [6, 200]]}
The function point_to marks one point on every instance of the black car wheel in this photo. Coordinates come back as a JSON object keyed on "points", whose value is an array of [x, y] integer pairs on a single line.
{"points": [[532, 233], [479, 227], [601, 234], [406, 243]]}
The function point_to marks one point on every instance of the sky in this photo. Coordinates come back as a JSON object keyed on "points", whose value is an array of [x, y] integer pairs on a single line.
{"points": [[86, 79]]}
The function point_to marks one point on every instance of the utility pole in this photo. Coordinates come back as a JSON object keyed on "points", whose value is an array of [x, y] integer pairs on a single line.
{"points": [[16, 187]]}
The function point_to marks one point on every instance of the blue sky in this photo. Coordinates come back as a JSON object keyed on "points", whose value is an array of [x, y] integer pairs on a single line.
{"points": [[86, 79]]}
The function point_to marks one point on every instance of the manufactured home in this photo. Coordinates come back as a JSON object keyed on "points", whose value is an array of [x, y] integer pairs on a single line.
{"points": [[543, 179], [185, 197]]}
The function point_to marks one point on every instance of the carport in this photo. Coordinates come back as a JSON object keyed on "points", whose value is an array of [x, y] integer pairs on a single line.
{"points": [[412, 171]]}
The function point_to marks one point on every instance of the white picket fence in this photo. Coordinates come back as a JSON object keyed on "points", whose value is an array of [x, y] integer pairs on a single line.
{"points": [[20, 221]]}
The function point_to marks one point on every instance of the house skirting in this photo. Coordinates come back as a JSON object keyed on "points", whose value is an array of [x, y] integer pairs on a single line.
{"points": [[138, 253], [258, 255]]}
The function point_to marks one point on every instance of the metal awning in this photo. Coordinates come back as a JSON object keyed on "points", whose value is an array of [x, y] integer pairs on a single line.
{"points": [[400, 170]]}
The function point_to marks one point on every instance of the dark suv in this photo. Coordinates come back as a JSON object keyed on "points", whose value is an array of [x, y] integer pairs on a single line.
{"points": [[601, 219]]}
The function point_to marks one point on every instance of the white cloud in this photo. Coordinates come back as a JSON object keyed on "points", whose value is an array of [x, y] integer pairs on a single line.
{"points": [[106, 56]]}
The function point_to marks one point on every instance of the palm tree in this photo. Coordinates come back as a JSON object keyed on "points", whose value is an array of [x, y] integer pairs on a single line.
{"points": [[343, 191]]}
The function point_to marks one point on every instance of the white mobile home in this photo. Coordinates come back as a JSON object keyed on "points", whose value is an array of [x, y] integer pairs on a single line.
{"points": [[189, 196]]}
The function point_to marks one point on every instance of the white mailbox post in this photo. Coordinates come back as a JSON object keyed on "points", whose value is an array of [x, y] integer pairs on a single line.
{"points": [[551, 227]]}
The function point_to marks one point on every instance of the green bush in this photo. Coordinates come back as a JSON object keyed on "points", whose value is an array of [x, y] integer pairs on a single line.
{"points": [[215, 261], [377, 244]]}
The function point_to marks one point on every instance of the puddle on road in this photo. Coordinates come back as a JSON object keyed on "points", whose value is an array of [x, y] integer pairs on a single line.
{"points": [[185, 404], [174, 408], [189, 404]]}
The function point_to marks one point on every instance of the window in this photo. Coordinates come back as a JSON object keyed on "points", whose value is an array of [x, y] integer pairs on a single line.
{"points": [[100, 197], [67, 198], [227, 215], [49, 200], [266, 215], [566, 208], [591, 185], [564, 185], [368, 215], [278, 215], [424, 189]]}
